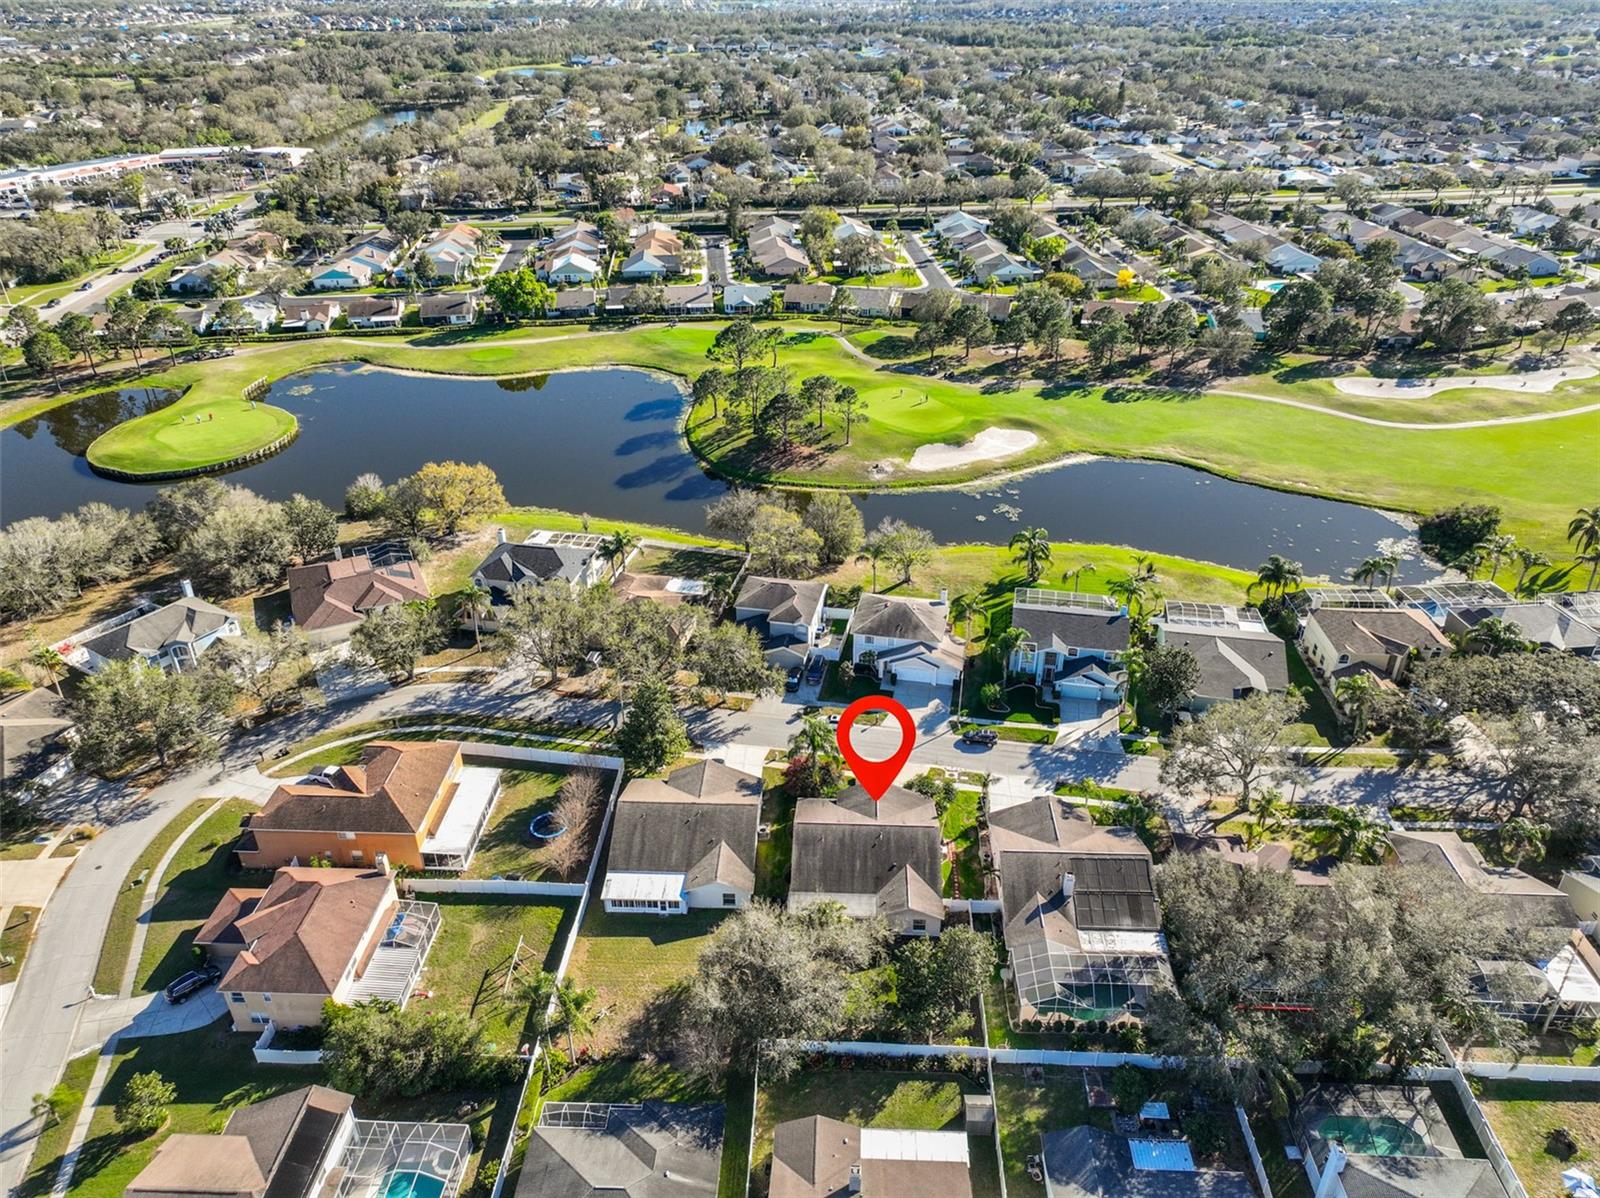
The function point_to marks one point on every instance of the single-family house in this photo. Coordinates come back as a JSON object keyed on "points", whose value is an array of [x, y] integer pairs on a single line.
{"points": [[329, 599], [452, 252], [956, 224], [412, 802], [1085, 1162], [786, 614], [1236, 652], [313, 936], [909, 640], [807, 297], [657, 252], [542, 557], [624, 1150], [688, 299], [1540, 623], [376, 312], [744, 299], [1078, 901], [1515, 899], [449, 308], [1339, 641], [684, 842], [1073, 645], [571, 267], [172, 636], [306, 1142], [876, 857], [342, 275], [819, 1157], [877, 302], [574, 301], [309, 315]]}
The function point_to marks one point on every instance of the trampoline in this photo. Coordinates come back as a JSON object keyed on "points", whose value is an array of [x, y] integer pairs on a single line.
{"points": [[543, 827]]}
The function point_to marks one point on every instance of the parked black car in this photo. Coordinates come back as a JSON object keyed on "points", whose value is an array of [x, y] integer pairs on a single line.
{"points": [[791, 679], [817, 668], [190, 984], [980, 736]]}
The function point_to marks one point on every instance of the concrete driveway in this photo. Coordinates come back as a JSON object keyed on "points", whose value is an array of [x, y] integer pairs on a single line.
{"points": [[145, 1015], [31, 882]]}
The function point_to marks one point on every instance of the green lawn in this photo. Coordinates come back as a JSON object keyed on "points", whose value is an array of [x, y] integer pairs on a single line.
{"points": [[190, 889], [1521, 467], [1523, 1114], [1142, 294], [471, 957], [118, 940], [52, 1142], [214, 1073], [1026, 1110], [960, 827], [15, 938], [868, 1098], [505, 846], [42, 293], [628, 1080], [772, 854], [631, 961]]}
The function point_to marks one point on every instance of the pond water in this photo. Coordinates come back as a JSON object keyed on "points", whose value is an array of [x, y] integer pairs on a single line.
{"points": [[606, 442]]}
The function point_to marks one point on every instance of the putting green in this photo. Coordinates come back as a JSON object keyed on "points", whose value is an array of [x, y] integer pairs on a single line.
{"points": [[910, 409], [187, 436]]}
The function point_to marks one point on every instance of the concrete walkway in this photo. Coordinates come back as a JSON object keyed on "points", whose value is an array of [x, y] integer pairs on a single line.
{"points": [[30, 883]]}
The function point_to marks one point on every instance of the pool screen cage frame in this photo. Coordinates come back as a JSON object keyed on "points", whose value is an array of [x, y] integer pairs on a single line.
{"points": [[380, 1149], [1055, 980]]}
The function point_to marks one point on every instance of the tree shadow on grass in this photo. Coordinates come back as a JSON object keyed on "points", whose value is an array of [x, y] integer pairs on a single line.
{"points": [[1150, 393], [892, 348]]}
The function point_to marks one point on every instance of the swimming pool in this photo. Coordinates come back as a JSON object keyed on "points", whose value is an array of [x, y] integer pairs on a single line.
{"points": [[411, 1184], [1379, 1135]]}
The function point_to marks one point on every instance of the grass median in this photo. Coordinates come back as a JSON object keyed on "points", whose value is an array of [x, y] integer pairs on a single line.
{"points": [[118, 940]]}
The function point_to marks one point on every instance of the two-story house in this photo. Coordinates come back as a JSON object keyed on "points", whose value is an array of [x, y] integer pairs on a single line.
{"points": [[1073, 646], [909, 640], [173, 636], [412, 802], [314, 935], [785, 614]]}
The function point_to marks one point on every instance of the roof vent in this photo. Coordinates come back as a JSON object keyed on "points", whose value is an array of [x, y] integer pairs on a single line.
{"points": [[855, 1179]]}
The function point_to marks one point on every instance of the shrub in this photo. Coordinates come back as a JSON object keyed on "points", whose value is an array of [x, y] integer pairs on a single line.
{"points": [[1130, 1088], [142, 1109]]}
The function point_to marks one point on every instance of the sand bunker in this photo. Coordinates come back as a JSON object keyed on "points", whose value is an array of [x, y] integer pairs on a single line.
{"points": [[988, 446], [1532, 380]]}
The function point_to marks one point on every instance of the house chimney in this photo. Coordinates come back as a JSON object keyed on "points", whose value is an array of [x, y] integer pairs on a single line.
{"points": [[944, 596], [1067, 886], [381, 862], [187, 588], [338, 553], [502, 535], [1330, 1184], [855, 1179]]}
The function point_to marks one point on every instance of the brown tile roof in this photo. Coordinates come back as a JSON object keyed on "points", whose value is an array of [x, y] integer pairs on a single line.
{"points": [[392, 790], [302, 933], [327, 594]]}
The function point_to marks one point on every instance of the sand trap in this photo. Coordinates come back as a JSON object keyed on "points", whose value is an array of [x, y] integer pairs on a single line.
{"points": [[989, 445], [1532, 380]]}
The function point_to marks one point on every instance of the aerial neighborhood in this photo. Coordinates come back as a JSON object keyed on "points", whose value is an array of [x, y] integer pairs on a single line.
{"points": [[644, 600]]}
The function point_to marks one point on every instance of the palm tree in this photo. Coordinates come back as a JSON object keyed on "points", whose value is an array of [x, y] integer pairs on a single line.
{"points": [[961, 608], [1358, 695], [1521, 838], [572, 1014], [1583, 530], [1528, 559], [475, 601], [871, 551], [1132, 590], [49, 659], [1032, 548], [1004, 643], [1496, 637], [1495, 549], [1276, 576], [1077, 572], [619, 545], [1378, 569], [1470, 562], [1357, 836]]}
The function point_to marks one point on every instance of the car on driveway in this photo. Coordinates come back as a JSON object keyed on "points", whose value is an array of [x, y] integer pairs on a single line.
{"points": [[190, 984], [791, 679], [982, 737], [817, 669]]}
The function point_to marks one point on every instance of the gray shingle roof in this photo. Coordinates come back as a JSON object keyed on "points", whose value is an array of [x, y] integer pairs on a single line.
{"points": [[784, 600], [654, 1150], [1234, 662], [1058, 629], [511, 563], [853, 845], [179, 623], [701, 821], [1085, 1162]]}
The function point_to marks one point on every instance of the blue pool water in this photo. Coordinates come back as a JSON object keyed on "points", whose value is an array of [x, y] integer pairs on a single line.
{"points": [[413, 1185]]}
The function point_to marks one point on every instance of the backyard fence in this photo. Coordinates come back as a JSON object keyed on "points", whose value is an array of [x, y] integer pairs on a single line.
{"points": [[428, 884], [1255, 1153], [613, 763], [265, 1054]]}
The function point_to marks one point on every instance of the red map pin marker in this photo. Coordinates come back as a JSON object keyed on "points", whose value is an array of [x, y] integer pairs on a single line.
{"points": [[877, 776]]}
